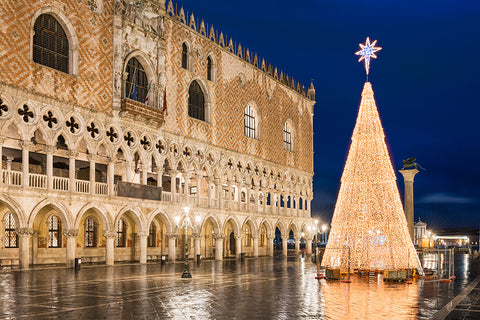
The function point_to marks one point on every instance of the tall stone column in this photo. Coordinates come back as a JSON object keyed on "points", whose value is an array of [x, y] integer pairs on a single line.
{"points": [[218, 192], [50, 151], [255, 245], [238, 246], [25, 161], [142, 236], [219, 246], [308, 245], [71, 235], [34, 247], [110, 247], [92, 159], [71, 170], [171, 246], [284, 246], [408, 177], [198, 243], [24, 235], [297, 246], [129, 171], [173, 184], [111, 176], [270, 237]]}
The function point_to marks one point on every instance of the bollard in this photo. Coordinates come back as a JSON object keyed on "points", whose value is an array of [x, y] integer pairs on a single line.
{"points": [[78, 263]]}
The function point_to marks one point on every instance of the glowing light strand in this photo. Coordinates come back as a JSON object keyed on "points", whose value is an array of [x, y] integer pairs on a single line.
{"points": [[366, 52]]}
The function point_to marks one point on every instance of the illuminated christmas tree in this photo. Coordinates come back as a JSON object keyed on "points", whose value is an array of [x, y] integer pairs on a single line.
{"points": [[369, 229]]}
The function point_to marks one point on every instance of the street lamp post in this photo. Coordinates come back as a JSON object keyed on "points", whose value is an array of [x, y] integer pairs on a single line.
{"points": [[187, 223], [324, 235]]}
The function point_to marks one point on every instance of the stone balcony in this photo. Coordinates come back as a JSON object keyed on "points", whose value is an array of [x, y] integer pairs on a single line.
{"points": [[140, 110]]}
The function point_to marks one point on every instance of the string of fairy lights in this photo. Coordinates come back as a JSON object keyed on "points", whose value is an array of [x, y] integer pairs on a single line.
{"points": [[369, 229]]}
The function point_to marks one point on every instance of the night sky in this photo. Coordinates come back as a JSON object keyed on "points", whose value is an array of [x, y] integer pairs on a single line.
{"points": [[426, 84]]}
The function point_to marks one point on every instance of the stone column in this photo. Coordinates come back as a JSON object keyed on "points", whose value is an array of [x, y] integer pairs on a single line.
{"points": [[297, 246], [284, 246], [255, 245], [144, 174], [199, 181], [238, 245], [408, 177], [25, 144], [71, 235], [71, 170], [308, 245], [218, 192], [209, 191], [91, 160], [270, 238], [129, 171], [34, 247], [171, 246], [186, 191], [142, 236], [2, 140], [173, 183], [197, 238], [50, 151], [110, 247], [219, 245], [111, 177], [159, 176], [24, 235]]}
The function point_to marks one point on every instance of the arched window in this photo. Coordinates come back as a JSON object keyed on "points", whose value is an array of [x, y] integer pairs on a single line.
{"points": [[209, 69], [300, 204], [54, 232], [152, 236], [11, 238], [90, 233], [184, 56], [50, 43], [248, 236], [136, 85], [121, 233], [287, 137], [196, 102], [263, 235], [249, 122]]}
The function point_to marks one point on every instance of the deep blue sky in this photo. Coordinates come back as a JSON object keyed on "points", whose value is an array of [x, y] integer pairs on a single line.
{"points": [[425, 82]]}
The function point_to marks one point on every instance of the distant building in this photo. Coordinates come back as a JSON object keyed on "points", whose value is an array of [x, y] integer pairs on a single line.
{"points": [[115, 115], [419, 232]]}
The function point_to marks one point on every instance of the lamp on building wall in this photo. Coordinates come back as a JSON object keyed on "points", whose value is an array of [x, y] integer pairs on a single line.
{"points": [[187, 223]]}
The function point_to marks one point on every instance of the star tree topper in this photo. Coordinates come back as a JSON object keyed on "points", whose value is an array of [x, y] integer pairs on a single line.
{"points": [[366, 52]]}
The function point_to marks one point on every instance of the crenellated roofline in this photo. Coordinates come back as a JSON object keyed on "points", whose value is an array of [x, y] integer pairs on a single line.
{"points": [[230, 46]]}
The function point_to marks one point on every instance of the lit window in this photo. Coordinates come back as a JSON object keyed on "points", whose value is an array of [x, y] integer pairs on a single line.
{"points": [[10, 234], [152, 235], [209, 69], [136, 85], [184, 56], [196, 102], [90, 233], [249, 122], [54, 232], [121, 233], [287, 137], [50, 43]]}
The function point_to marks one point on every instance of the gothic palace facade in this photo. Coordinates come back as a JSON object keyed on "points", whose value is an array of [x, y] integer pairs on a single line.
{"points": [[115, 115]]}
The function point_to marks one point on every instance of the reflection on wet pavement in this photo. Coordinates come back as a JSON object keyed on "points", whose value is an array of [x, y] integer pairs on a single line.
{"points": [[264, 288]]}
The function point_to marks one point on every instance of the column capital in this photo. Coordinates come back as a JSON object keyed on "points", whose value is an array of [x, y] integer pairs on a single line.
{"points": [[70, 233], [72, 153], [408, 175], [2, 140], [143, 234], [22, 232], [255, 235], [172, 235], [238, 237], [270, 235], [218, 236], [25, 144], [109, 234], [92, 157], [50, 149], [197, 236]]}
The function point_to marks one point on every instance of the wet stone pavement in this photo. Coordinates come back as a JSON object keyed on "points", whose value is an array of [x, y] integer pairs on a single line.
{"points": [[264, 288]]}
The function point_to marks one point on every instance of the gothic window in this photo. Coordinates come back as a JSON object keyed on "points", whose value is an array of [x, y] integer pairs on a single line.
{"points": [[152, 236], [196, 102], [184, 56], [11, 238], [287, 137], [209, 69], [248, 237], [90, 233], [249, 122], [54, 232], [263, 235], [136, 85], [50, 43], [121, 233]]}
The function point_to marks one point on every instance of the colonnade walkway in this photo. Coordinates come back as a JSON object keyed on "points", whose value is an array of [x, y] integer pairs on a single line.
{"points": [[262, 288]]}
